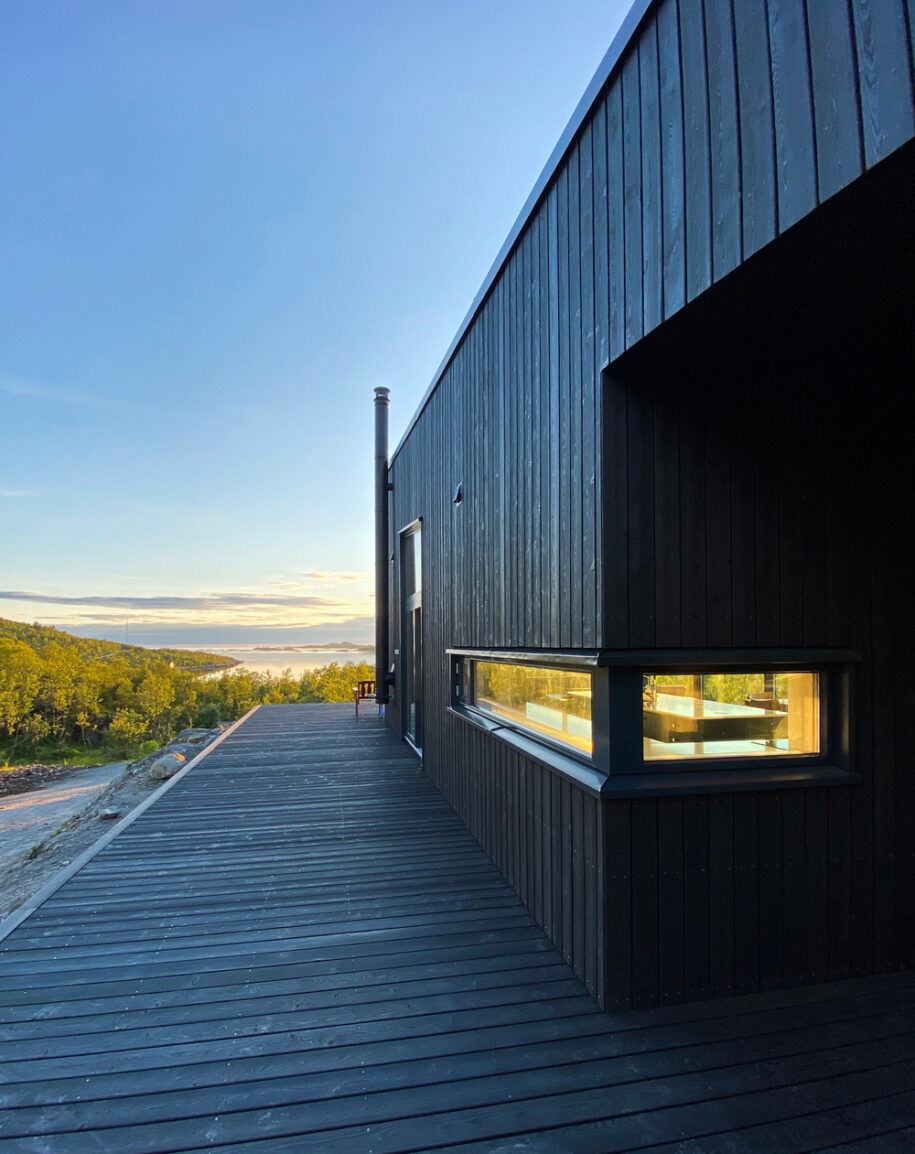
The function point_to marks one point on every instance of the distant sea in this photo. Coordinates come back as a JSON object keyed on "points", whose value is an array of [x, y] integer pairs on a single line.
{"points": [[275, 657]]}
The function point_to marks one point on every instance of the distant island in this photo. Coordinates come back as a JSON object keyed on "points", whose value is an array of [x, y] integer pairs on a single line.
{"points": [[325, 647]]}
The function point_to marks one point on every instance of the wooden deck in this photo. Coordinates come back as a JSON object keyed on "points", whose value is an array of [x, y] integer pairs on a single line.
{"points": [[300, 948]]}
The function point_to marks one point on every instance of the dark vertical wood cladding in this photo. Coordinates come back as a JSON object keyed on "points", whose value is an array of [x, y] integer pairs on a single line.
{"points": [[884, 53], [723, 136], [672, 192], [795, 146], [685, 499], [721, 126], [792, 531], [838, 127], [756, 125], [544, 835], [697, 145]]}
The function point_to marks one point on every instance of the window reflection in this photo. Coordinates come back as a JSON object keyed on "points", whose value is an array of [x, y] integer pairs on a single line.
{"points": [[552, 702], [730, 714]]}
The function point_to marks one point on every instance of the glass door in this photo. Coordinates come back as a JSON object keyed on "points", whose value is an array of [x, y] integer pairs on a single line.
{"points": [[411, 569]]}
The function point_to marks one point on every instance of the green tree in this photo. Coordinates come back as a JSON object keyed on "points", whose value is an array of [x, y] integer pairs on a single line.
{"points": [[127, 729], [154, 695], [20, 679], [70, 691]]}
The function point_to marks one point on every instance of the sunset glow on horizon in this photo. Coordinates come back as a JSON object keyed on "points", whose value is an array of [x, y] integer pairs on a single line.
{"points": [[226, 224]]}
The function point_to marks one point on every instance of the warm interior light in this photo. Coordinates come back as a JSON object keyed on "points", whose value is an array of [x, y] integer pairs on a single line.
{"points": [[746, 714], [553, 702]]}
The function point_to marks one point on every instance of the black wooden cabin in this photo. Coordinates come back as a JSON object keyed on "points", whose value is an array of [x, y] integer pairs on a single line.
{"points": [[650, 533]]}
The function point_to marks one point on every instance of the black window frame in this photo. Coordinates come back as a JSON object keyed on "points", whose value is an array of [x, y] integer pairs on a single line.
{"points": [[617, 765], [589, 772]]}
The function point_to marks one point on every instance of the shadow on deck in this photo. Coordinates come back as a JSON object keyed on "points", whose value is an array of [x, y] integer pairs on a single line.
{"points": [[300, 947]]}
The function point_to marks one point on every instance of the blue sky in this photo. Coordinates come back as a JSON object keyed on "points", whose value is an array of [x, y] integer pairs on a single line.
{"points": [[222, 223]]}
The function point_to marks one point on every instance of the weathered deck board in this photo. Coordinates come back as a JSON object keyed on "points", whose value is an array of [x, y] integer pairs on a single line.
{"points": [[300, 947]]}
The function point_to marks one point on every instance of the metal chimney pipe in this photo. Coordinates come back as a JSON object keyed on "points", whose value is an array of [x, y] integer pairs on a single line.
{"points": [[382, 405]]}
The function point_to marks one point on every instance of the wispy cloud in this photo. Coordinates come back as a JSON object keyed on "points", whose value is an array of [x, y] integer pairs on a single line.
{"points": [[222, 608], [18, 493], [325, 577], [208, 601], [329, 575], [31, 390]]}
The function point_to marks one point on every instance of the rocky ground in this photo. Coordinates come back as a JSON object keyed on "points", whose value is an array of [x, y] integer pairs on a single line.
{"points": [[35, 869], [23, 778]]}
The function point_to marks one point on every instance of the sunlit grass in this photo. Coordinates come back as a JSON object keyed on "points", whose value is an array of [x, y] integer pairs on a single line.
{"points": [[75, 755]]}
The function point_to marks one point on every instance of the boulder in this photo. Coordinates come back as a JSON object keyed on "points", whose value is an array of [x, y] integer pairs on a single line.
{"points": [[181, 749], [194, 736], [167, 766]]}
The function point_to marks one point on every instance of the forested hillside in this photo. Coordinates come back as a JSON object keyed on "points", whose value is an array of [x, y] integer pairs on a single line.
{"points": [[40, 637], [63, 696]]}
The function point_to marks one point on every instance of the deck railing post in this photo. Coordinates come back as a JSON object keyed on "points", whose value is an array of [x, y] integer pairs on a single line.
{"points": [[382, 406]]}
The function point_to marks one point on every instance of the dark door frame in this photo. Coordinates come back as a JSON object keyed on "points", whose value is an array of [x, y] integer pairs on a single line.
{"points": [[411, 634]]}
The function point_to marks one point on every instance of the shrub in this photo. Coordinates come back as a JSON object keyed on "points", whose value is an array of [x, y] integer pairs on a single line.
{"points": [[206, 717]]}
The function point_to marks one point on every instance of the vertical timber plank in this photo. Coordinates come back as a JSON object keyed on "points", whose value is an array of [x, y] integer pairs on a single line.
{"points": [[693, 579], [719, 552], [644, 903], [721, 894], [589, 409], [794, 146], [757, 127], [564, 821], [672, 158], [575, 462], [696, 146], [579, 884], [545, 456], [553, 805], [564, 464], [555, 593], [535, 527], [671, 900], [652, 213], [771, 914], [615, 208], [601, 237], [884, 70], [618, 846], [743, 539], [839, 882], [632, 197], [615, 512], [794, 874], [724, 136], [837, 117], [695, 869], [667, 523], [746, 894], [816, 875]]}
